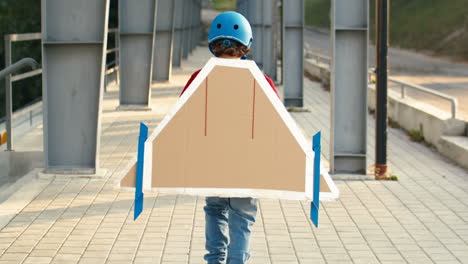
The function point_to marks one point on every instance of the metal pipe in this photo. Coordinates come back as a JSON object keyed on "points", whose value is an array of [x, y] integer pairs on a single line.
{"points": [[17, 66], [6, 73], [8, 98], [24, 36], [381, 89], [453, 101]]}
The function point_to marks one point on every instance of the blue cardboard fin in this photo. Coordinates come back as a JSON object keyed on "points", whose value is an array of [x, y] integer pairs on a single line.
{"points": [[139, 195], [315, 204]]}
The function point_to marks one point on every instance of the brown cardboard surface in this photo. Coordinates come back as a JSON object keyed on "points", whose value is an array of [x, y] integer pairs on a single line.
{"points": [[323, 185], [209, 143], [130, 179], [227, 135]]}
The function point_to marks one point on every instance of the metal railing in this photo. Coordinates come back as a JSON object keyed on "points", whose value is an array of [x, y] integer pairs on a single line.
{"points": [[9, 78], [18, 66], [318, 58], [403, 85], [6, 73], [113, 66]]}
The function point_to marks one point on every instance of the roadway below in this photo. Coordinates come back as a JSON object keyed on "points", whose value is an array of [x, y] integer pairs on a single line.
{"points": [[438, 74]]}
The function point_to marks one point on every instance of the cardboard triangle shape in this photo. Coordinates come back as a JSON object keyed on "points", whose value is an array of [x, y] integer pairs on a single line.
{"points": [[229, 135]]}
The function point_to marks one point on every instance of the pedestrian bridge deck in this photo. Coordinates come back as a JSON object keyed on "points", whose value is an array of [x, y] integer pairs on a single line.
{"points": [[422, 218]]}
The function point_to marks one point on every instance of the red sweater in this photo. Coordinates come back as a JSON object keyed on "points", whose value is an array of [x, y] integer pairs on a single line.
{"points": [[194, 75]]}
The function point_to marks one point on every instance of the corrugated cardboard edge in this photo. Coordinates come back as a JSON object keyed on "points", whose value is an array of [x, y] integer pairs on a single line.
{"points": [[121, 174], [285, 116]]}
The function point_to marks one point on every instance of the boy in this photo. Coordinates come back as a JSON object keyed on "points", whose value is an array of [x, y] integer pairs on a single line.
{"points": [[230, 37]]}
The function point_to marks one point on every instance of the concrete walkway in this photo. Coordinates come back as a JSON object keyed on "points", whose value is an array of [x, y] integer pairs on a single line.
{"points": [[422, 218]]}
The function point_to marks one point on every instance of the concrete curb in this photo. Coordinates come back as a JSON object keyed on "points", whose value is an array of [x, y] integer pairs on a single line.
{"points": [[22, 193]]}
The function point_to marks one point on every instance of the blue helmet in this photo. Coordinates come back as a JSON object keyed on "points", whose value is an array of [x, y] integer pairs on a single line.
{"points": [[231, 25]]}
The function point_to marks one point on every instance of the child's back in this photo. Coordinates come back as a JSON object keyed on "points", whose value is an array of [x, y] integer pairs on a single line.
{"points": [[230, 37]]}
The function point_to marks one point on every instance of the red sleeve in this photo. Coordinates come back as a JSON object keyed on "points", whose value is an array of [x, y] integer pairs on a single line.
{"points": [[194, 75], [272, 84]]}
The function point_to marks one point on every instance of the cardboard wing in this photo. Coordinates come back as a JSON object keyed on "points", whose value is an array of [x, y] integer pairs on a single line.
{"points": [[230, 135]]}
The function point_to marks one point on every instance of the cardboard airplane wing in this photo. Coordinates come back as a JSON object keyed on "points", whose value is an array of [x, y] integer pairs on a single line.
{"points": [[230, 135]]}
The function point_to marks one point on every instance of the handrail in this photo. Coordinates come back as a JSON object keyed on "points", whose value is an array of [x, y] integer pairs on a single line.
{"points": [[10, 68], [18, 66], [453, 101], [8, 105]]}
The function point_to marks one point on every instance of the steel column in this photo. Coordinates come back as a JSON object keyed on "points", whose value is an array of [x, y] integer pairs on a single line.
{"points": [[381, 89], [293, 52], [260, 14], [136, 26], [242, 7], [164, 39], [186, 32], [74, 41], [192, 24], [178, 32], [349, 45], [196, 25], [268, 38], [255, 16], [116, 54]]}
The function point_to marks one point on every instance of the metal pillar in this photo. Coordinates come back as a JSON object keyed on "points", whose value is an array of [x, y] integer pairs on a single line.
{"points": [[195, 24], [269, 53], [293, 52], [349, 42], [179, 8], [164, 39], [186, 27], [255, 16], [74, 41], [261, 15], [381, 89], [192, 25], [199, 23], [242, 7], [136, 26]]}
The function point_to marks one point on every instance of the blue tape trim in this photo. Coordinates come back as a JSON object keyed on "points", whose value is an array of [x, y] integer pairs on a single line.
{"points": [[139, 195], [315, 204]]}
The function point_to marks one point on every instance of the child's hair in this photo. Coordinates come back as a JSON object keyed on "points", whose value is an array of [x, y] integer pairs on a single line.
{"points": [[235, 49]]}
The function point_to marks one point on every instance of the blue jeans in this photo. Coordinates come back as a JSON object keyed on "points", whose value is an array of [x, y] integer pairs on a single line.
{"points": [[239, 215]]}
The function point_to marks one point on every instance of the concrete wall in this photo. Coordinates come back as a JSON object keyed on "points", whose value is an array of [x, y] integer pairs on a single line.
{"points": [[413, 115], [435, 125], [13, 165]]}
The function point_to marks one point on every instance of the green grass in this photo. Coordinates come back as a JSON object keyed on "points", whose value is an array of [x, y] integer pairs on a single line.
{"points": [[224, 5], [414, 24]]}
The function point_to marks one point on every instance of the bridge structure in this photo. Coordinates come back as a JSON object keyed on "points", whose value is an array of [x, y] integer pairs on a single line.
{"points": [[153, 37], [70, 216]]}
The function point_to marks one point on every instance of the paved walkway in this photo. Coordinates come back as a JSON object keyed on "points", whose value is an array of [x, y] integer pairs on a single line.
{"points": [[422, 218]]}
